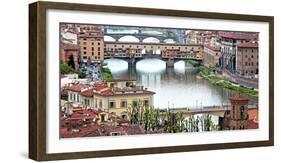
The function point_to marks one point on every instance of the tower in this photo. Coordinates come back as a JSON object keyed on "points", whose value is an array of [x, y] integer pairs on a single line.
{"points": [[239, 112]]}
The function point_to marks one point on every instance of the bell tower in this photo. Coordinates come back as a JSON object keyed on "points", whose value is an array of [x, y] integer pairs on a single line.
{"points": [[239, 112]]}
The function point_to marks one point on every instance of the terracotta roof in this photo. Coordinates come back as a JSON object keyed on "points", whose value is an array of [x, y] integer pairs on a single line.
{"points": [[252, 124], [133, 129], [238, 36], [90, 130], [239, 98], [87, 93], [253, 114], [80, 115], [107, 92], [78, 87], [247, 45]]}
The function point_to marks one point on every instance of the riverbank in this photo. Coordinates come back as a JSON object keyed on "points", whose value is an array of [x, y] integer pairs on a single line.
{"points": [[208, 74]]}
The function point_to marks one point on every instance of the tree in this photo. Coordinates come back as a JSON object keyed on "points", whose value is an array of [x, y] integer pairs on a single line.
{"points": [[71, 61], [66, 69]]}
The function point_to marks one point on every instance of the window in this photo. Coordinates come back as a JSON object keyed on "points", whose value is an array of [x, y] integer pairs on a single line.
{"points": [[100, 103], [242, 115], [84, 48], [85, 52], [102, 116], [93, 49], [123, 104], [146, 103], [87, 102], [111, 104], [115, 134], [84, 43], [98, 43], [93, 43]]}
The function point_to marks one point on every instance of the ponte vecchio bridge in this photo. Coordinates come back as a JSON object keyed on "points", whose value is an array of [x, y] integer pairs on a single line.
{"points": [[170, 53]]}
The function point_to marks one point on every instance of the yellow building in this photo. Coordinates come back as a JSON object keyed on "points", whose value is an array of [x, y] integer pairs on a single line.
{"points": [[115, 97]]}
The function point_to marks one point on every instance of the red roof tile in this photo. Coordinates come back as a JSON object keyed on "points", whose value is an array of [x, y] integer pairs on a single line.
{"points": [[78, 87], [253, 114], [239, 98], [238, 36], [248, 45], [87, 93], [252, 124]]}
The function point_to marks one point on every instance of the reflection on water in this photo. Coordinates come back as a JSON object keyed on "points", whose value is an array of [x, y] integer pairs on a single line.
{"points": [[175, 86], [117, 66]]}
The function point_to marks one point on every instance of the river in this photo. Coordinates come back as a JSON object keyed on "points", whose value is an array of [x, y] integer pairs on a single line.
{"points": [[175, 87]]}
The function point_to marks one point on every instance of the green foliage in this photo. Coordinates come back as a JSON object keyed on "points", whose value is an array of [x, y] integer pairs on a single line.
{"points": [[240, 89], [206, 73], [194, 63], [66, 69], [71, 61], [81, 74], [154, 120], [106, 74]]}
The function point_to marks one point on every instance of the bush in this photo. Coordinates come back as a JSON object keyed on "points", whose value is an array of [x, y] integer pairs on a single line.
{"points": [[106, 74], [194, 63], [66, 69]]}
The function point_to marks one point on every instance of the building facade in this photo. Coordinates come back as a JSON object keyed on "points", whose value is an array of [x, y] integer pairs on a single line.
{"points": [[91, 45], [69, 52], [228, 48], [247, 59], [114, 97], [212, 56], [239, 112]]}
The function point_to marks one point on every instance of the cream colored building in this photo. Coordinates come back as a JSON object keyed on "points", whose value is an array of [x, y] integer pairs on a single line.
{"points": [[211, 56], [111, 99]]}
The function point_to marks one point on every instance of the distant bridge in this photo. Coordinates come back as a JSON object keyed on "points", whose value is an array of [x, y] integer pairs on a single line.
{"points": [[212, 110], [135, 51], [140, 33]]}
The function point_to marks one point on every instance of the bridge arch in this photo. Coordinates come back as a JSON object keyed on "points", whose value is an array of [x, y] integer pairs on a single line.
{"points": [[129, 38], [169, 41], [151, 40], [109, 39]]}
